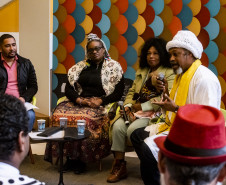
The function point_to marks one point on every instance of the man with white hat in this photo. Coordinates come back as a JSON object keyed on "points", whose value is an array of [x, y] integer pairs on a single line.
{"points": [[193, 84], [194, 152]]}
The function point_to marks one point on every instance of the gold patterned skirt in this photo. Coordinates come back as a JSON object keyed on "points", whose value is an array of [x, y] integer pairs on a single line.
{"points": [[91, 149]]}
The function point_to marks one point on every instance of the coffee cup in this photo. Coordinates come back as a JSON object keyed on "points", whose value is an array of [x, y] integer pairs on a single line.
{"points": [[81, 124], [63, 122], [41, 125]]}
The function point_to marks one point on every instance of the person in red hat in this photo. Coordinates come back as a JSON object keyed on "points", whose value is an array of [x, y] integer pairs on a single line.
{"points": [[194, 152], [193, 84]]}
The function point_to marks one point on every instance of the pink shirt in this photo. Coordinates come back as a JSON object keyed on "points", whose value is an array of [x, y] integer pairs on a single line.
{"points": [[12, 86]]}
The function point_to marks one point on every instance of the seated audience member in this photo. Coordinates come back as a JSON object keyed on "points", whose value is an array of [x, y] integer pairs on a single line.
{"points": [[17, 74], [193, 84], [14, 141], [154, 62], [194, 152], [92, 84]]}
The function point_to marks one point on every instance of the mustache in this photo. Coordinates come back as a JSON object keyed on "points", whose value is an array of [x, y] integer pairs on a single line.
{"points": [[172, 62], [9, 56]]}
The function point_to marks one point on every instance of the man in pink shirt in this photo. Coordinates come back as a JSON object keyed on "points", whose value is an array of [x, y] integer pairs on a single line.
{"points": [[17, 74]]}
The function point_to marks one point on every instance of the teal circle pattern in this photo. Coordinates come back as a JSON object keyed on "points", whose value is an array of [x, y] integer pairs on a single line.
{"points": [[54, 100], [213, 28], [158, 6], [78, 53], [104, 24], [78, 34], [55, 43], [213, 69], [157, 26], [131, 35], [131, 14], [213, 7], [130, 55], [104, 5], [79, 14], [54, 81], [106, 41], [131, 1], [186, 1], [212, 51], [55, 23], [130, 73], [55, 62], [55, 5], [185, 16], [79, 1]]}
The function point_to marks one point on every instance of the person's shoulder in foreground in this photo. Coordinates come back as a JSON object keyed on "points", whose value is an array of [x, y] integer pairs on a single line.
{"points": [[194, 152], [12, 176], [14, 141]]}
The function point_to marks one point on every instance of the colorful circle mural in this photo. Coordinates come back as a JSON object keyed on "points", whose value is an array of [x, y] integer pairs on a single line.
{"points": [[124, 25]]}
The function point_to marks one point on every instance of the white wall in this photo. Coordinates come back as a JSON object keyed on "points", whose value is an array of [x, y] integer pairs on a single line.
{"points": [[34, 36]]}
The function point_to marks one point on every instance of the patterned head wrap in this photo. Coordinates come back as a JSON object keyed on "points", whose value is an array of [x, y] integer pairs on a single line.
{"points": [[93, 37]]}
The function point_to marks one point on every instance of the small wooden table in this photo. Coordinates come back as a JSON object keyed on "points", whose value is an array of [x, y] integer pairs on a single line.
{"points": [[61, 140]]}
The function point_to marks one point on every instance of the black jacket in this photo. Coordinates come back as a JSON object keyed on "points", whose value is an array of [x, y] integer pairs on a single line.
{"points": [[26, 77]]}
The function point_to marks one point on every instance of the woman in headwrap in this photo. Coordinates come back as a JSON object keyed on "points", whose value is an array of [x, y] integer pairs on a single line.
{"points": [[92, 84]]}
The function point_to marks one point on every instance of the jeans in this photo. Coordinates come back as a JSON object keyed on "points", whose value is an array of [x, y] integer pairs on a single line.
{"points": [[31, 117]]}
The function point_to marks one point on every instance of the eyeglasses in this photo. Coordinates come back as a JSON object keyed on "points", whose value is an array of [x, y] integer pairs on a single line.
{"points": [[97, 49]]}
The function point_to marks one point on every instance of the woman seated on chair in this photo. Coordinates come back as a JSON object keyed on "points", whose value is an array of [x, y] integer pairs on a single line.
{"points": [[149, 83], [92, 84]]}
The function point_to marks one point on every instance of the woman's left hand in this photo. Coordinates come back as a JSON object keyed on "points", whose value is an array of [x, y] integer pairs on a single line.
{"points": [[95, 102]]}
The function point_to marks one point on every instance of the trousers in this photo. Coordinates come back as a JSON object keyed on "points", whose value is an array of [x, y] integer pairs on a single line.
{"points": [[148, 164], [121, 132]]}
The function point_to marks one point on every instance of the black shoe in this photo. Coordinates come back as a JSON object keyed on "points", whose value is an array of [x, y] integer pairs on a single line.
{"points": [[79, 167]]}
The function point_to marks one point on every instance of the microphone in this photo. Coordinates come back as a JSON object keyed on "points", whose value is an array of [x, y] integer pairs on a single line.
{"points": [[124, 112], [161, 76]]}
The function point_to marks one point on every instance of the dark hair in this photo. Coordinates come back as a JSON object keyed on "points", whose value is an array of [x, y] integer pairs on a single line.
{"points": [[183, 174], [160, 46], [13, 120], [5, 36]]}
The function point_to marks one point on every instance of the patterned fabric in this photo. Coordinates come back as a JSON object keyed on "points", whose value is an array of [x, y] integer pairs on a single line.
{"points": [[147, 93], [91, 149], [111, 74], [11, 176]]}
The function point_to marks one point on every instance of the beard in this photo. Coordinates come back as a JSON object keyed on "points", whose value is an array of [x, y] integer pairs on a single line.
{"points": [[9, 55], [178, 71]]}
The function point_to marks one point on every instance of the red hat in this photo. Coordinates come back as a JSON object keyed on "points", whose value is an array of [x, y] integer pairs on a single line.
{"points": [[197, 136]]}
